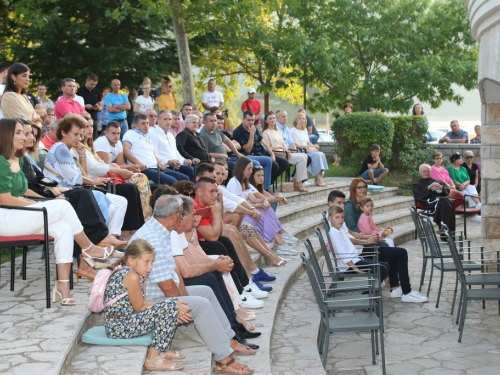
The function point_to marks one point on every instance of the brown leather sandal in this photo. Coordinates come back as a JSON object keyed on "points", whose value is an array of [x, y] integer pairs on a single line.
{"points": [[221, 368], [156, 365], [247, 351]]}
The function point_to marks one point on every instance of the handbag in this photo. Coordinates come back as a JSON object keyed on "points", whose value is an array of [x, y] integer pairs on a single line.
{"points": [[113, 176]]}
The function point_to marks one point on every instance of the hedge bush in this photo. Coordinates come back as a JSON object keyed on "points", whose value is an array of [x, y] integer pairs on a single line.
{"points": [[409, 132], [356, 132]]}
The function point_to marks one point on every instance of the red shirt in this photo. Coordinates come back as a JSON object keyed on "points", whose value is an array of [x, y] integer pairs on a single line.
{"points": [[64, 106], [48, 142], [252, 105], [204, 221]]}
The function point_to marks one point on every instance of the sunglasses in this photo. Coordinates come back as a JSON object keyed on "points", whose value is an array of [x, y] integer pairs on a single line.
{"points": [[469, 157]]}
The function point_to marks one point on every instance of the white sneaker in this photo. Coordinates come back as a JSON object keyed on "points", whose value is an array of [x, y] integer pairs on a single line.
{"points": [[248, 302], [479, 205], [476, 219], [414, 297], [254, 291], [306, 183], [286, 250], [395, 293], [288, 238]]}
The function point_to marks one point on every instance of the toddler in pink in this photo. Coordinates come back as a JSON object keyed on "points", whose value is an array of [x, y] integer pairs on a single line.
{"points": [[367, 225]]}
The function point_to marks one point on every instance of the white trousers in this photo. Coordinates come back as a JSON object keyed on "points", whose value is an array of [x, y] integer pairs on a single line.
{"points": [[300, 162], [63, 225], [117, 211], [470, 189]]}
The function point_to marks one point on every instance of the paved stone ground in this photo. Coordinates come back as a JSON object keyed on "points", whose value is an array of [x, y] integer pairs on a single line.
{"points": [[419, 338]]}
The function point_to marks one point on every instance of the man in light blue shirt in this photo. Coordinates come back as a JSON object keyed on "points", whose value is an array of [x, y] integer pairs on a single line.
{"points": [[456, 135], [117, 105]]}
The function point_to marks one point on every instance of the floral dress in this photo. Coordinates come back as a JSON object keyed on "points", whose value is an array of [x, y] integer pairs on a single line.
{"points": [[123, 322]]}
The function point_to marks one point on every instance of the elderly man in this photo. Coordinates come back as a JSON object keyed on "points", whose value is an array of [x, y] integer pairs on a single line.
{"points": [[67, 103], [166, 147], [435, 194], [164, 281], [190, 144], [138, 149], [117, 105], [456, 135]]}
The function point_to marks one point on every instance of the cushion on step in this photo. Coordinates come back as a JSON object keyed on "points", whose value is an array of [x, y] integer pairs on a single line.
{"points": [[373, 188], [97, 336]]}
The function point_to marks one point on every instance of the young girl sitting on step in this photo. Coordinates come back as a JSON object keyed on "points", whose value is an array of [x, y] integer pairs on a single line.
{"points": [[132, 316]]}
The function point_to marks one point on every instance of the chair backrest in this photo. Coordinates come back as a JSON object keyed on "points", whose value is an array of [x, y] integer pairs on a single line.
{"points": [[326, 227], [430, 235], [457, 259], [457, 197], [326, 254], [314, 261], [419, 229], [315, 287]]}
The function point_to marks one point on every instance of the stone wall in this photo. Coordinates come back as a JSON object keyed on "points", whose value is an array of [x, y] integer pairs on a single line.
{"points": [[328, 149], [449, 149]]}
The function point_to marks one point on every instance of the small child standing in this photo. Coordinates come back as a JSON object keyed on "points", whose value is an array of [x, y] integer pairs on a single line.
{"points": [[367, 225], [132, 316]]}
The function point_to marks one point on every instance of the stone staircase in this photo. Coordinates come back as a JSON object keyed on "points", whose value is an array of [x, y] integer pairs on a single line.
{"points": [[299, 217]]}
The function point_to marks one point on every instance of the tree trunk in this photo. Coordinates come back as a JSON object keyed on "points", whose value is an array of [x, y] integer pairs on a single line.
{"points": [[181, 39], [267, 103]]}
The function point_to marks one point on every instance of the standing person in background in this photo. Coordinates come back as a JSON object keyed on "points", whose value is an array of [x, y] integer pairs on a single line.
{"points": [[144, 102], [477, 139], [153, 93], [167, 99], [132, 95], [92, 98], [103, 116], [212, 98], [417, 110], [348, 108], [4, 68], [117, 104], [67, 102], [254, 105], [228, 123], [46, 102], [312, 132]]}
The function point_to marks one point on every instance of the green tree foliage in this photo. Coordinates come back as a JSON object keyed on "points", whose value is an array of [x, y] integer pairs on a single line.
{"points": [[383, 53], [355, 133], [59, 38], [409, 132]]}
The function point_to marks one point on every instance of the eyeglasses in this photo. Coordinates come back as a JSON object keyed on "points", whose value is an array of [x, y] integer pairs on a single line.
{"points": [[361, 187], [169, 86], [469, 157]]}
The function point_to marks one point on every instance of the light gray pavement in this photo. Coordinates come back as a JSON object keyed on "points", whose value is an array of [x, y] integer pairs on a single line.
{"points": [[420, 338]]}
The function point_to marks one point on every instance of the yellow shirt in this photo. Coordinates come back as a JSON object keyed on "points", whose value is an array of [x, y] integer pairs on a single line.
{"points": [[167, 102]]}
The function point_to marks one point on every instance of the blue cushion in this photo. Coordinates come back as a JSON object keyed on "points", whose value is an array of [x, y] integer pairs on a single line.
{"points": [[375, 188], [97, 336]]}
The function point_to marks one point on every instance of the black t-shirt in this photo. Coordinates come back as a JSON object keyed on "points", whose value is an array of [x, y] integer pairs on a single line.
{"points": [[472, 172], [34, 101], [90, 97], [310, 124], [242, 136], [368, 160]]}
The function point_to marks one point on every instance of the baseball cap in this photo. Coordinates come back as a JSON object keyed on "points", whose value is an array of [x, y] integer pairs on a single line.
{"points": [[251, 90]]}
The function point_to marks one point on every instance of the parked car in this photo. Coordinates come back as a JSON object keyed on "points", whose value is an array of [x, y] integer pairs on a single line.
{"points": [[323, 137], [433, 136]]}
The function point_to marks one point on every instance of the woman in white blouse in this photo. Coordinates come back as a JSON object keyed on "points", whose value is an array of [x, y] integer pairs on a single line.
{"points": [[144, 102], [301, 140]]}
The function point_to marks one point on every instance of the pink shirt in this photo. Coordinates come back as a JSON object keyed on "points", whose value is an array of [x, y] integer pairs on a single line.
{"points": [[178, 130], [366, 225], [441, 175], [64, 106]]}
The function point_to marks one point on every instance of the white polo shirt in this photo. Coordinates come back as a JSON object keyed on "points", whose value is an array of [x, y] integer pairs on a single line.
{"points": [[165, 145], [142, 147]]}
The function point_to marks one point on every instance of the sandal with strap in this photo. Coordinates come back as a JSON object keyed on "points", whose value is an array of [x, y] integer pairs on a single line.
{"points": [[118, 246], [57, 295], [172, 354], [221, 368], [84, 270], [157, 365], [248, 351], [108, 250], [281, 261]]}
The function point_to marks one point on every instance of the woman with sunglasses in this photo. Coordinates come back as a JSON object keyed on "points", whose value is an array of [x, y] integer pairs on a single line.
{"points": [[462, 182], [167, 99], [472, 169], [14, 102]]}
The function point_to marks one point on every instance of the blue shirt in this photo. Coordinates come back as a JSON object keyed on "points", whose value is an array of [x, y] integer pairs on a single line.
{"points": [[285, 134], [164, 266], [113, 99], [461, 134]]}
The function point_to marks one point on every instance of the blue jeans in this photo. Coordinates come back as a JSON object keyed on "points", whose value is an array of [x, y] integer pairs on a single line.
{"points": [[188, 171], [123, 127], [376, 173], [167, 176], [313, 138], [265, 162]]}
